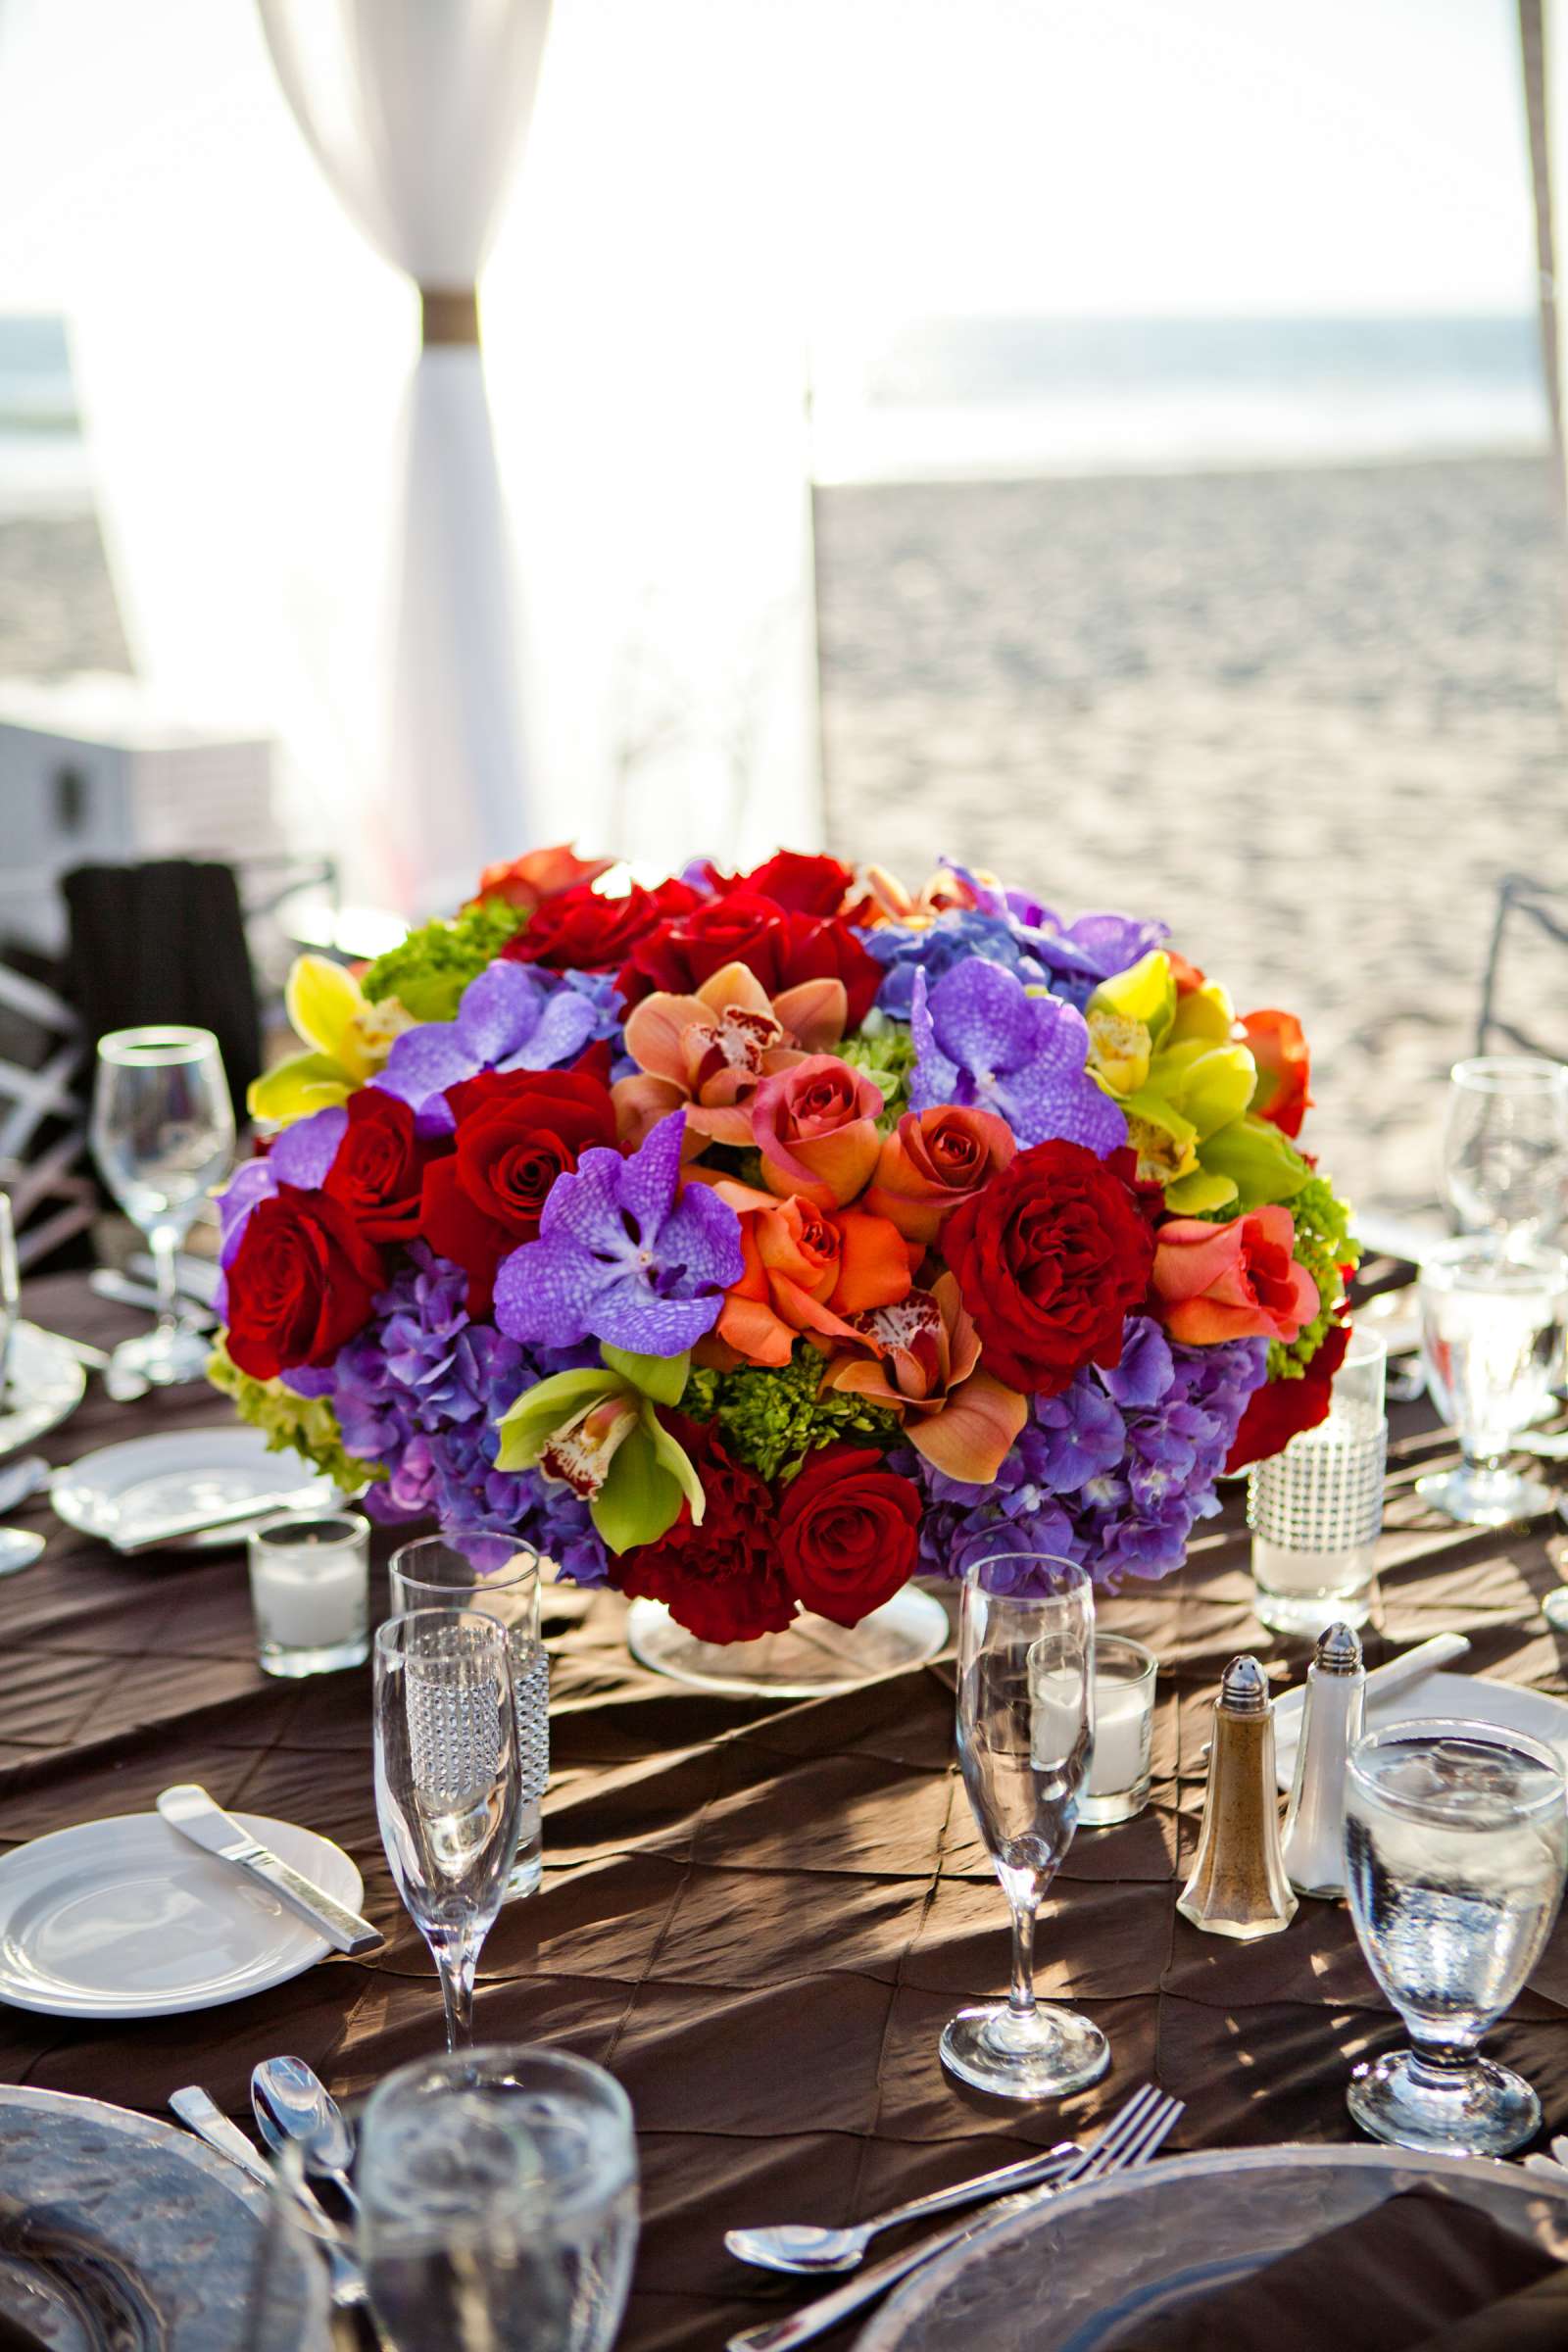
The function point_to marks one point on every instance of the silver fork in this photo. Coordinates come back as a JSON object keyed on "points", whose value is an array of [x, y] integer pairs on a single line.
{"points": [[804, 2251], [1129, 2138]]}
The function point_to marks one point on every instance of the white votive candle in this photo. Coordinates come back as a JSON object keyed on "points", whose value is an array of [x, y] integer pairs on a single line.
{"points": [[1117, 1786], [309, 1590]]}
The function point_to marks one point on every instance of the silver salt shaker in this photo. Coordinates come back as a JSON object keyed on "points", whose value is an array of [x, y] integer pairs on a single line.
{"points": [[1332, 1714]]}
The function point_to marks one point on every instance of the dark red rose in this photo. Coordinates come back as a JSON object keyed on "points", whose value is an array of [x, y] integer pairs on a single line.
{"points": [[1281, 1408], [303, 1281], [1050, 1256], [378, 1170], [516, 1132], [779, 946], [799, 884], [847, 1532], [582, 932], [721, 1581]]}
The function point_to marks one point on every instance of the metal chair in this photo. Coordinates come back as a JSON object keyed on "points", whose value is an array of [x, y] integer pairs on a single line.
{"points": [[1526, 978]]}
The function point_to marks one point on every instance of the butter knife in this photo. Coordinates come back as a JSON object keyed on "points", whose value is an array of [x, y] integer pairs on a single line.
{"points": [[200, 2113], [190, 1810]]}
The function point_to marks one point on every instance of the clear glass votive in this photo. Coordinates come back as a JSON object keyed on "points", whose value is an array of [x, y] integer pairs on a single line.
{"points": [[432, 1574], [1117, 1786], [1315, 1508], [311, 1591]]}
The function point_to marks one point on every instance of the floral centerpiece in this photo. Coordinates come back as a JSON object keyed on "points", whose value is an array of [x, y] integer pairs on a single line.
{"points": [[756, 1243]]}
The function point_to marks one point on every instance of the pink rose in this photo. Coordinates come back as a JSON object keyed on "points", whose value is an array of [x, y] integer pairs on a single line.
{"points": [[1232, 1281], [936, 1159], [815, 1127]]}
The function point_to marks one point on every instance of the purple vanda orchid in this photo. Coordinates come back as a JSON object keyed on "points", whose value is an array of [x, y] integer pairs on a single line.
{"points": [[508, 1019], [623, 1254], [984, 1042]]}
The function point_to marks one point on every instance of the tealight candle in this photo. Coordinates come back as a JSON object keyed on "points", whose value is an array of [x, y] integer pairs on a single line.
{"points": [[309, 1590], [1117, 1786]]}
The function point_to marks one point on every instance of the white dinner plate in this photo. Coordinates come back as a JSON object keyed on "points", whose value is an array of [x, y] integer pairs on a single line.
{"points": [[147, 1480], [1469, 1696], [44, 1383], [127, 1918]]}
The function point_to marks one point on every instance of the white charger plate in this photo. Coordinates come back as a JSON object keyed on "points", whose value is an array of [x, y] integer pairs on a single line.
{"points": [[44, 1383], [147, 1480], [1470, 1696], [126, 1918]]}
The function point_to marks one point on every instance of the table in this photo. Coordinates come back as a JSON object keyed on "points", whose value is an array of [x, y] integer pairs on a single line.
{"points": [[759, 1915]]}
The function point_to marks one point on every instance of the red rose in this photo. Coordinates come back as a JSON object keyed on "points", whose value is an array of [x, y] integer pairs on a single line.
{"points": [[582, 932], [799, 884], [779, 948], [1050, 1256], [720, 1581], [1281, 1409], [378, 1170], [304, 1280], [516, 1132], [847, 1532]]}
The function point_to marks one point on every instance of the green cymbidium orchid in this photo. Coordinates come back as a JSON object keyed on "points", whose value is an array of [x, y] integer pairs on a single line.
{"points": [[1174, 1065], [349, 1038], [598, 1433]]}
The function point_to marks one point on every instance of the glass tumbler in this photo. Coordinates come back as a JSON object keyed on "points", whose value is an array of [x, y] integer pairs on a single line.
{"points": [[432, 1574], [1492, 1319], [1315, 1508], [498, 2203], [1456, 1840]]}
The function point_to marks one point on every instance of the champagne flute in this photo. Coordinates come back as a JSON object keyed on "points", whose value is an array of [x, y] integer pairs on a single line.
{"points": [[163, 1135], [448, 1793], [1026, 1674], [1506, 1146]]}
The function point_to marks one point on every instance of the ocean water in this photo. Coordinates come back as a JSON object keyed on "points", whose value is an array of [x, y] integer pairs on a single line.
{"points": [[949, 398], [43, 460]]}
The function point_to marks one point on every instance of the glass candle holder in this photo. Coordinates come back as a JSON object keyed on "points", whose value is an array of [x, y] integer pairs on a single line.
{"points": [[1315, 1508], [1117, 1786], [432, 1574], [309, 1590]]}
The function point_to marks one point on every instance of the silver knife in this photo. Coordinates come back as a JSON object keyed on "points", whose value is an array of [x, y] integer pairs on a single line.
{"points": [[190, 1810], [201, 2114], [144, 1538]]}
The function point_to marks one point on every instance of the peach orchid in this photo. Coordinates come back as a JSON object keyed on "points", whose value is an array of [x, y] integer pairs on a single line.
{"points": [[927, 1365], [711, 1051]]}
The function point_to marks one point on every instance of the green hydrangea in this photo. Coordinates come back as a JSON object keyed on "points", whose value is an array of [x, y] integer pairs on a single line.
{"points": [[1324, 1243], [305, 1425], [429, 971], [884, 1048], [772, 1419]]}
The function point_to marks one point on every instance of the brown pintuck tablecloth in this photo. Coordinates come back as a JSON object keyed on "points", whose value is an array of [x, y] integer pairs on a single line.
{"points": [[759, 1915]]}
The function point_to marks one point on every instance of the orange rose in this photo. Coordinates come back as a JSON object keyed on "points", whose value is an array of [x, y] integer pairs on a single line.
{"points": [[815, 1127], [936, 1159], [1278, 1045], [805, 1269], [1232, 1281], [542, 874]]}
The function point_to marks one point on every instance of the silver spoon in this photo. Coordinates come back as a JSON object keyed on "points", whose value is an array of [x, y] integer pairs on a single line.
{"points": [[796, 2246], [20, 1546], [290, 2101]]}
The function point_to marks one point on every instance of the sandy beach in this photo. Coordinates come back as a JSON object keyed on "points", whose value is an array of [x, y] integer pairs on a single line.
{"points": [[1308, 716]]}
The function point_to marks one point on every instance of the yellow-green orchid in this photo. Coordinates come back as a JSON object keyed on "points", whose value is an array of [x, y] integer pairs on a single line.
{"points": [[1185, 1082], [598, 1433], [349, 1040]]}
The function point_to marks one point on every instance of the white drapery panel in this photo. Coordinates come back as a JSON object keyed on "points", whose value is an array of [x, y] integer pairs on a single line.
{"points": [[245, 358]]}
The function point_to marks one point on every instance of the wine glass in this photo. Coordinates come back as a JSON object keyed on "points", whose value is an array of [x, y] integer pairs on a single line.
{"points": [[1456, 1840], [447, 1787], [163, 1134], [10, 1293], [498, 2203], [1493, 1322], [1026, 1667], [1506, 1146]]}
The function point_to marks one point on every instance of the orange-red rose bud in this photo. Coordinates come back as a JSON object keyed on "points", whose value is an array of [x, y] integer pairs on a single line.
{"points": [[935, 1159], [816, 1128]]}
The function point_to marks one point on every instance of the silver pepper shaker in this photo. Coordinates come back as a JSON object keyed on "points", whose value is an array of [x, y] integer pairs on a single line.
{"points": [[1332, 1714], [1238, 1886]]}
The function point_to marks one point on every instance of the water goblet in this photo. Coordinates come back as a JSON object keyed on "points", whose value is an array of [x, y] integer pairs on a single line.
{"points": [[498, 2203], [1456, 1841], [1026, 1662], [10, 1293], [447, 1787], [163, 1135], [1493, 1322], [1506, 1146]]}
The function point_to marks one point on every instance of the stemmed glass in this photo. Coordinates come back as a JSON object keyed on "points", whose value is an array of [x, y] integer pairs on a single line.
{"points": [[1506, 1146], [447, 1787], [1026, 1670], [1456, 1840], [9, 1293], [1493, 1322], [163, 1134]]}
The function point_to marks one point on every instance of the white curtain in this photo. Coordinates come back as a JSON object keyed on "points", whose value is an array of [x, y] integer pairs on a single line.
{"points": [[244, 356]]}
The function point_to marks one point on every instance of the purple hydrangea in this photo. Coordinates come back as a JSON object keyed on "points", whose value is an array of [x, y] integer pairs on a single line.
{"points": [[1114, 1472], [952, 938], [1078, 954], [984, 1042]]}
